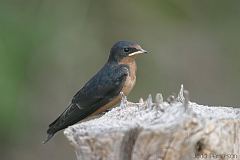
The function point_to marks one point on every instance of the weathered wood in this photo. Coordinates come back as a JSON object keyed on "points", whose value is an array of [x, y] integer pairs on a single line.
{"points": [[178, 129]]}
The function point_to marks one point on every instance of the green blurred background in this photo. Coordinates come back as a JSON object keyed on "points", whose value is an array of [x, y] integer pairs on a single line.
{"points": [[49, 49]]}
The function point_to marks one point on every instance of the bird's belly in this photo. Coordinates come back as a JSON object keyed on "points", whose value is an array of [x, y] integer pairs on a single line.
{"points": [[110, 104], [129, 84]]}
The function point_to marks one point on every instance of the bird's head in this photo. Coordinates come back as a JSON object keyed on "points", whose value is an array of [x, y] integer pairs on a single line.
{"points": [[125, 49]]}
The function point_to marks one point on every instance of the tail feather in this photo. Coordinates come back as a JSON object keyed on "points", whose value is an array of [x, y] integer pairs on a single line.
{"points": [[54, 122], [49, 136], [70, 116], [50, 132]]}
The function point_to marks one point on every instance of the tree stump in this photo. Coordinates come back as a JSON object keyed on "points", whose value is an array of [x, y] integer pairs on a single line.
{"points": [[173, 130]]}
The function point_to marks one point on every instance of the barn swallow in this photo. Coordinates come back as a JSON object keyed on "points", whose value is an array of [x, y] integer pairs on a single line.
{"points": [[103, 90]]}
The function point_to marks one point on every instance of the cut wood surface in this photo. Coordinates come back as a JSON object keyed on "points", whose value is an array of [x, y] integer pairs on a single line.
{"points": [[159, 130]]}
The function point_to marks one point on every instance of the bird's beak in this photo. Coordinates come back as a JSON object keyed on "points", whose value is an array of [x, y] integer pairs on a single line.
{"points": [[144, 51], [138, 52]]}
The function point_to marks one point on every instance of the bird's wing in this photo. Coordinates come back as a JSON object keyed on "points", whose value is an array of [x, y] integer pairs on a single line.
{"points": [[100, 90], [105, 84]]}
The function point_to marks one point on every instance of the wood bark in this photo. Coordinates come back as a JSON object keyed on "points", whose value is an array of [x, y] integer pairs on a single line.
{"points": [[173, 130]]}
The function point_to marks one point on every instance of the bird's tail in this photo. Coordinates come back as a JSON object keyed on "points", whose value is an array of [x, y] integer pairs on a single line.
{"points": [[49, 136], [51, 130], [69, 117]]}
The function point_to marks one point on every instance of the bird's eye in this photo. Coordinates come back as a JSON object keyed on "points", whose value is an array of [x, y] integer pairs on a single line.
{"points": [[126, 49]]}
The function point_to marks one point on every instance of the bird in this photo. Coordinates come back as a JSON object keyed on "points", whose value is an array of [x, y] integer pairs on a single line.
{"points": [[103, 91]]}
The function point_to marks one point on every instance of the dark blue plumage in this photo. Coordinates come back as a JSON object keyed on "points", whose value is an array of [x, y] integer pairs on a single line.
{"points": [[101, 89]]}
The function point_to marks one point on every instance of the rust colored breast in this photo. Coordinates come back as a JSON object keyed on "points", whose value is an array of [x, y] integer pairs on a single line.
{"points": [[131, 79]]}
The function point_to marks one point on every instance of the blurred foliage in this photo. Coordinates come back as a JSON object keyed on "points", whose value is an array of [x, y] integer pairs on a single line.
{"points": [[49, 49]]}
